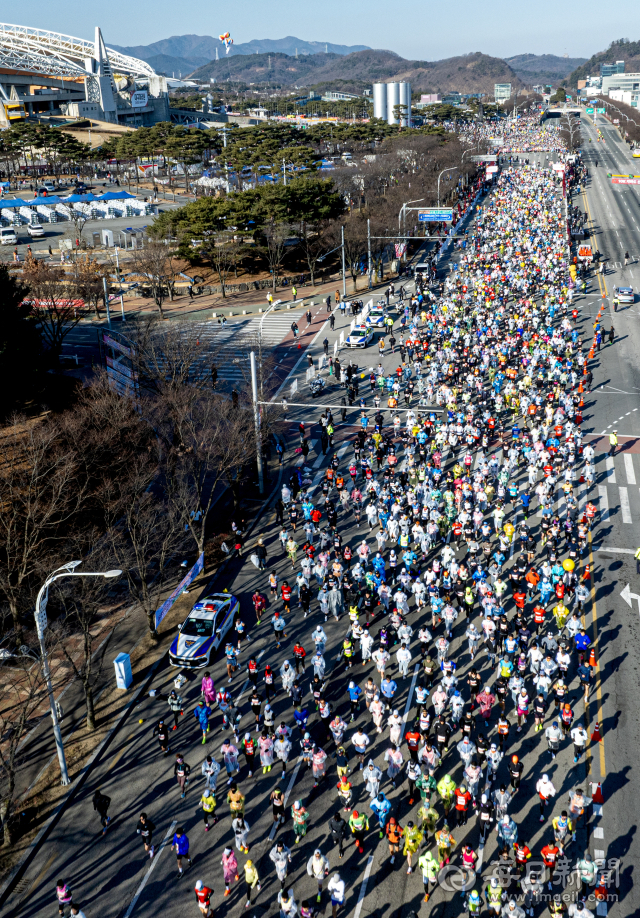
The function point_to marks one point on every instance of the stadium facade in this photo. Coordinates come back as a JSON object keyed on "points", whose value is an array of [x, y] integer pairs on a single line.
{"points": [[43, 72]]}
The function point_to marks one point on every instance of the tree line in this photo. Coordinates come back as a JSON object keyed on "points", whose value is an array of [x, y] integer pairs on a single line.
{"points": [[266, 226], [124, 482]]}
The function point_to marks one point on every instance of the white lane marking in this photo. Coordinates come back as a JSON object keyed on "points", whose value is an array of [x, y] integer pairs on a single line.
{"points": [[611, 470], [598, 832], [598, 854], [292, 781], [604, 502], [407, 707], [628, 466], [625, 507], [153, 863], [615, 551], [363, 888]]}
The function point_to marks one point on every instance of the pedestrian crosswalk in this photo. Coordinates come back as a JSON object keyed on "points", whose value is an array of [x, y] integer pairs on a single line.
{"points": [[228, 346], [617, 491]]}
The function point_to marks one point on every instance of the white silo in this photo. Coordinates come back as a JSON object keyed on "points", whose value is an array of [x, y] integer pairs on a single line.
{"points": [[405, 99], [393, 99], [380, 101]]}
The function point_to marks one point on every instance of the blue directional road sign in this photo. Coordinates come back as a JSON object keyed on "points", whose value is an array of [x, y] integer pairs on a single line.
{"points": [[435, 215]]}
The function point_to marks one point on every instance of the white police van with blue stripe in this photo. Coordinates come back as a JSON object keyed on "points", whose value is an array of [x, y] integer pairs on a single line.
{"points": [[203, 630]]}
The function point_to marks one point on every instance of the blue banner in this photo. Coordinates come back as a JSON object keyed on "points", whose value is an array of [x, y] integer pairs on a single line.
{"points": [[184, 583]]}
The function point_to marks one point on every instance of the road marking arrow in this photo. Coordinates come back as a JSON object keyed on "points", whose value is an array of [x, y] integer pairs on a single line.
{"points": [[628, 596]]}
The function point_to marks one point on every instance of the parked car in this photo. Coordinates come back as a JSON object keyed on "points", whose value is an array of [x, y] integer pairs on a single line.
{"points": [[35, 230], [203, 631], [8, 236]]}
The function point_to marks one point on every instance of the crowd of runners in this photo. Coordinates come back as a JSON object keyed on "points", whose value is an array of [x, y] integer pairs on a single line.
{"points": [[444, 551]]}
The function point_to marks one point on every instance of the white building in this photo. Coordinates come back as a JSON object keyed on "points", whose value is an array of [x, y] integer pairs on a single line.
{"points": [[501, 92]]}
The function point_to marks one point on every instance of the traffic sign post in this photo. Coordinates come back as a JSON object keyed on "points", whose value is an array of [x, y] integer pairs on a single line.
{"points": [[435, 215]]}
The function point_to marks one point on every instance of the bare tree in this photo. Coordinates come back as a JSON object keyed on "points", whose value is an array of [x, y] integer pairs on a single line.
{"points": [[355, 243], [49, 294], [208, 442], [40, 493], [570, 132], [144, 536], [313, 240], [88, 277], [154, 264], [221, 249], [23, 692], [275, 236]]}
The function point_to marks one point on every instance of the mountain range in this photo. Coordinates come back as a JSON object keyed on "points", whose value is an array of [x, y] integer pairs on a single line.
{"points": [[181, 54], [543, 68], [354, 72]]}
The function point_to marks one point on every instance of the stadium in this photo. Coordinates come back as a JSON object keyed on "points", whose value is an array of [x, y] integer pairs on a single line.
{"points": [[47, 73]]}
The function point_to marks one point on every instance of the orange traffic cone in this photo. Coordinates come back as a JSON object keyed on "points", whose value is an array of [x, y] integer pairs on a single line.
{"points": [[596, 736], [581, 479], [587, 572], [299, 345], [592, 657], [597, 793]]}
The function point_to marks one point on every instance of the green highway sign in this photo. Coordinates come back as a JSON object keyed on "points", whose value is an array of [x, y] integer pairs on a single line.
{"points": [[600, 111], [589, 111]]}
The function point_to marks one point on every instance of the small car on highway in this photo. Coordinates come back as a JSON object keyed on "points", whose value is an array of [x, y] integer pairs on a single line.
{"points": [[360, 336], [203, 631]]}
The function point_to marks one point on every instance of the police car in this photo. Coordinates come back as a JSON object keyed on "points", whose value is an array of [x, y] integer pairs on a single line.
{"points": [[360, 336], [376, 317], [203, 631]]}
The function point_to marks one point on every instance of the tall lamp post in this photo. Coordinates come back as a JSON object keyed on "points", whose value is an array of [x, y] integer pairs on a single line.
{"points": [[448, 169], [67, 570]]}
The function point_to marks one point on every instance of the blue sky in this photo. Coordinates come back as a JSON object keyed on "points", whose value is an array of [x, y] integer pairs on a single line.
{"points": [[415, 29]]}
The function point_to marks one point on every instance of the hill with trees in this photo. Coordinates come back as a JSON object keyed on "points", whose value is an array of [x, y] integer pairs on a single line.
{"points": [[622, 49], [475, 72]]}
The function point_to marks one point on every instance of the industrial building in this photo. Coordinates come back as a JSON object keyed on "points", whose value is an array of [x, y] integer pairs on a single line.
{"points": [[392, 103], [43, 72]]}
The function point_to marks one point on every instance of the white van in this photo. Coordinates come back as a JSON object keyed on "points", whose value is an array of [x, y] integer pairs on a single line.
{"points": [[8, 236]]}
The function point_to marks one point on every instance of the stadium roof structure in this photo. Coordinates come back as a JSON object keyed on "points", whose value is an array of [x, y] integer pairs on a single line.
{"points": [[38, 51]]}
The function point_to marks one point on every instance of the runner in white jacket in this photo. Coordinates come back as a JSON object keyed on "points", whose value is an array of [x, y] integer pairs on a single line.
{"points": [[318, 868]]}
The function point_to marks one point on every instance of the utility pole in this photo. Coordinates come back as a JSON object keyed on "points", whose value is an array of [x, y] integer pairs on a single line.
{"points": [[256, 418], [369, 250], [344, 272], [284, 171], [106, 301], [119, 282]]}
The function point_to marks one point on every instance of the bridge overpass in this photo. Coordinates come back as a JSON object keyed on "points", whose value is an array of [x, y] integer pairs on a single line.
{"points": [[560, 111]]}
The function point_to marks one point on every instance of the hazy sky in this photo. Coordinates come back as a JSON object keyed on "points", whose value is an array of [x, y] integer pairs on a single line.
{"points": [[414, 29]]}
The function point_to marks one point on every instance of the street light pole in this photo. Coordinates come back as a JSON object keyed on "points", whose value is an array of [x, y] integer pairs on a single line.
{"points": [[448, 169], [66, 570], [344, 271], [369, 250], [256, 418]]}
